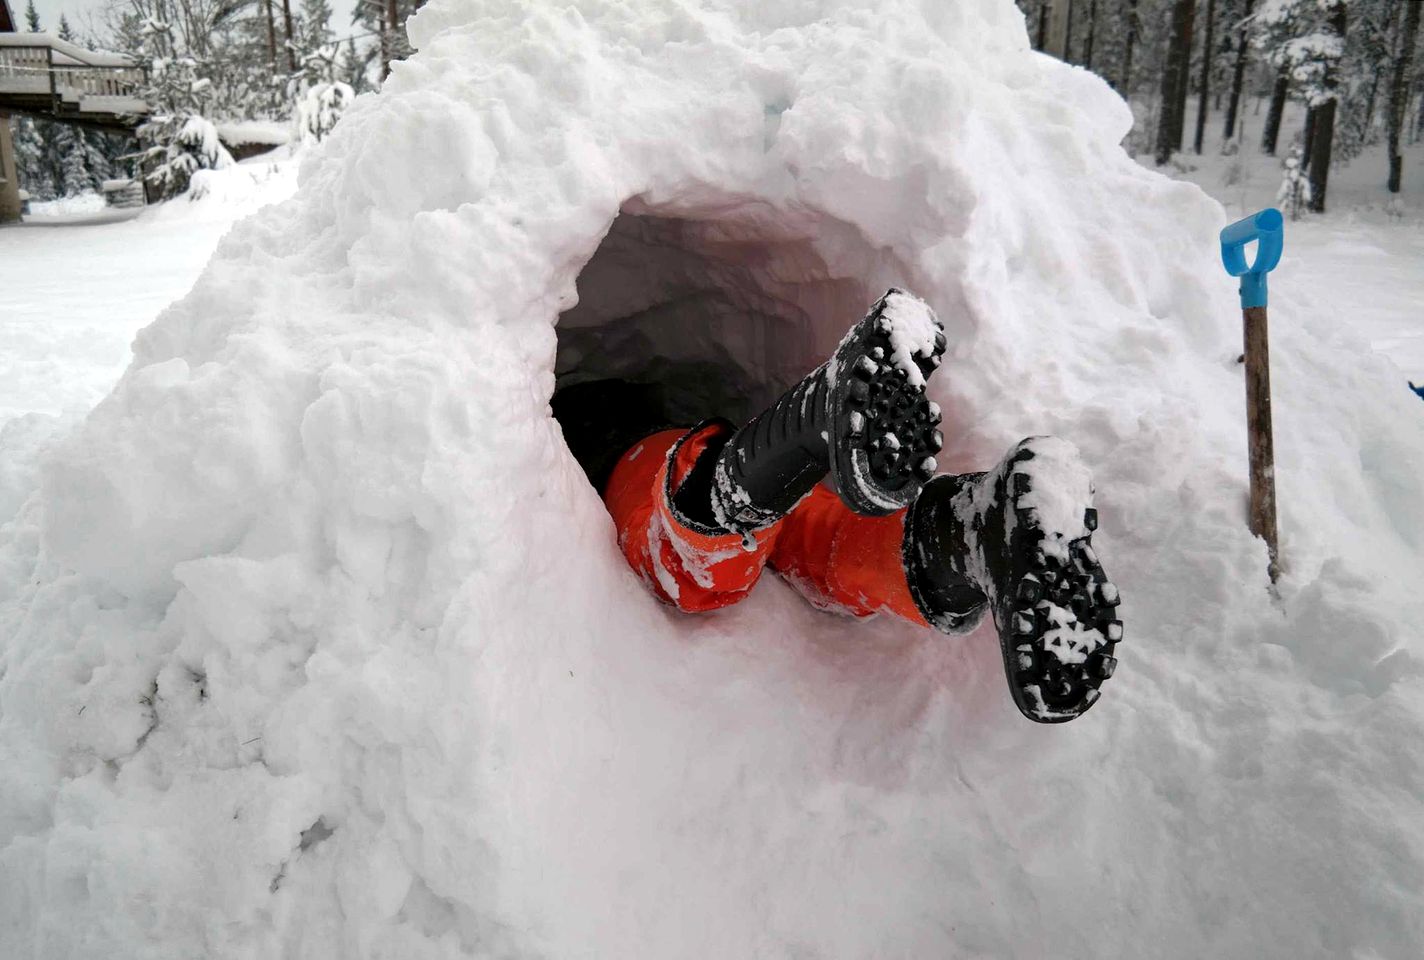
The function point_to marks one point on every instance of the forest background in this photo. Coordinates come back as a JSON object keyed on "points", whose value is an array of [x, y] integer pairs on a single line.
{"points": [[292, 66]]}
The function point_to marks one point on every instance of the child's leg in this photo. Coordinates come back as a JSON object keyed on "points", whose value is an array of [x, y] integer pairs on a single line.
{"points": [[687, 561], [843, 561]]}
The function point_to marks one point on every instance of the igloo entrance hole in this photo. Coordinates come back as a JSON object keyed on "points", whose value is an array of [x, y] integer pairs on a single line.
{"points": [[724, 308]]}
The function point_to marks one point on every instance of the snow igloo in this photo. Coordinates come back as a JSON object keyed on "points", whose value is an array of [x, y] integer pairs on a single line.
{"points": [[315, 641]]}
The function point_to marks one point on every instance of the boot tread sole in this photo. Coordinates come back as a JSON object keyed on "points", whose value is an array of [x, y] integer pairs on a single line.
{"points": [[885, 430]]}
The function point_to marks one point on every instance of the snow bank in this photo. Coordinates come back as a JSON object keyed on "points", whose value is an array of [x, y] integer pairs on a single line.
{"points": [[315, 642], [84, 204], [233, 190]]}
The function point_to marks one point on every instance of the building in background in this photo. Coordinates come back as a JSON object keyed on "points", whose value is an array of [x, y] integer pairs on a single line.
{"points": [[9, 175]]}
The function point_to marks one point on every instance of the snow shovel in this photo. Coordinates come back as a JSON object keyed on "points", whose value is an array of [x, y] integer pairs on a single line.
{"points": [[1265, 228]]}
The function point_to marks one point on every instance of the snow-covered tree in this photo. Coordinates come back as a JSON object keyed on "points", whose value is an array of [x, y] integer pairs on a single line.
{"points": [[315, 28], [321, 106], [386, 19], [354, 67], [177, 137]]}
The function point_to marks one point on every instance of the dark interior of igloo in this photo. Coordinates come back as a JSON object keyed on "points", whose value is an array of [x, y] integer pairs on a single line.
{"points": [[723, 306]]}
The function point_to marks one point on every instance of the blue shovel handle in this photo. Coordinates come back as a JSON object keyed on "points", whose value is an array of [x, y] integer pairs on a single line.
{"points": [[1267, 227]]}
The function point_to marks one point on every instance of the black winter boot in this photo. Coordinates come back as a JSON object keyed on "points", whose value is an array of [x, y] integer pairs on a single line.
{"points": [[1017, 541], [862, 416]]}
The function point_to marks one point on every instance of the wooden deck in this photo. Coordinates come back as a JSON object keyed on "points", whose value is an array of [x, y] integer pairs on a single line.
{"points": [[46, 77]]}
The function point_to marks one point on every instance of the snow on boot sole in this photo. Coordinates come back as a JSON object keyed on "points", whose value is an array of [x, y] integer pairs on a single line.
{"points": [[885, 433], [1056, 618]]}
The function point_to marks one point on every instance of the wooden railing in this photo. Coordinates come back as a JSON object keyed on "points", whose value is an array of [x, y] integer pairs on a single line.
{"points": [[69, 76], [100, 81], [26, 63]]}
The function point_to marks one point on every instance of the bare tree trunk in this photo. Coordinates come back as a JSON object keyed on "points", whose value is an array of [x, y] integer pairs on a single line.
{"points": [[1174, 79], [1092, 29], [1272, 132], [271, 34], [1399, 94], [291, 45], [1184, 84], [1370, 103], [385, 38], [1307, 137], [1060, 15], [1243, 44], [1322, 141], [392, 19], [1127, 48], [1205, 77], [1042, 26], [1324, 132]]}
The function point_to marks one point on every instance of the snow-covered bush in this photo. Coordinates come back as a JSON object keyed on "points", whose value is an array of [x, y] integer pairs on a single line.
{"points": [[319, 109], [1294, 193], [179, 146]]}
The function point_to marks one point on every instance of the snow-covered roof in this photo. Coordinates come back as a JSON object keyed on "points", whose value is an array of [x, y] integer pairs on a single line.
{"points": [[254, 131], [7, 17]]}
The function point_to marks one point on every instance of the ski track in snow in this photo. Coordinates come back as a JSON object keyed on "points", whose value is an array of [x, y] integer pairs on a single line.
{"points": [[314, 642]]}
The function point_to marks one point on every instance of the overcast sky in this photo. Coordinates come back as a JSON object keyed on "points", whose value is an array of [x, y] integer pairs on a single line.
{"points": [[80, 11]]}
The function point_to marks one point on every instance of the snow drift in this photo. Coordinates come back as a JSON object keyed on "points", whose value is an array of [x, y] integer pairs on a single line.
{"points": [[315, 641]]}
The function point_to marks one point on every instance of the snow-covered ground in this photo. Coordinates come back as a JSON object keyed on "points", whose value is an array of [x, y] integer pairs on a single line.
{"points": [[81, 280], [77, 291], [314, 642], [1365, 259]]}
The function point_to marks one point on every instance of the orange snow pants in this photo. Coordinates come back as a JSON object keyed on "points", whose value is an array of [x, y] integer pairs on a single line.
{"points": [[839, 560]]}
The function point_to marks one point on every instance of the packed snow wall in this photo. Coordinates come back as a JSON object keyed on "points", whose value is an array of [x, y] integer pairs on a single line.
{"points": [[315, 642]]}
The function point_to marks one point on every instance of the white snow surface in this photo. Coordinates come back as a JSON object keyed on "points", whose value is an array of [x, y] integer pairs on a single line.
{"points": [[1061, 490], [912, 333], [315, 642]]}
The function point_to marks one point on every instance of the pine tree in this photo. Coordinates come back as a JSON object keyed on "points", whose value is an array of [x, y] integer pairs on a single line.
{"points": [[34, 171], [32, 18], [315, 25], [1364, 69], [316, 49], [353, 68]]}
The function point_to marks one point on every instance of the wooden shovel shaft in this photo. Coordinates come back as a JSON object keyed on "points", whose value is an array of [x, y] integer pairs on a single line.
{"points": [[1258, 431]]}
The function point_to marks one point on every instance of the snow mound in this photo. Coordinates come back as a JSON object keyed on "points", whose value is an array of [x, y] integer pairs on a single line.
{"points": [[315, 642]]}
